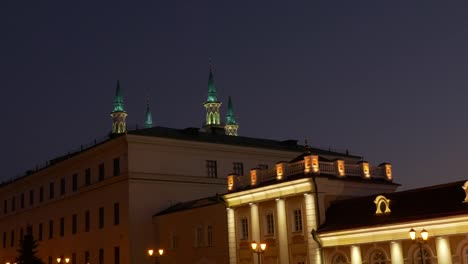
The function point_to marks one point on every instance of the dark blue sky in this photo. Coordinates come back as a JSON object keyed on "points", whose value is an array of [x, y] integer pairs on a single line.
{"points": [[385, 79]]}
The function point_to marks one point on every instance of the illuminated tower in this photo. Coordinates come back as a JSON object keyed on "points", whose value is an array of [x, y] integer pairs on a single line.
{"points": [[212, 105], [119, 115], [231, 126], [148, 118]]}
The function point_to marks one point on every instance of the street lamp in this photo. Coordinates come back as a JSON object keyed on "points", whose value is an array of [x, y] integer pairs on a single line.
{"points": [[65, 260], [258, 250], [156, 256], [420, 240]]}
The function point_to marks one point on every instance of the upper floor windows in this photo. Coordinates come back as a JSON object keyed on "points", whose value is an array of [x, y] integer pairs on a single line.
{"points": [[101, 217], [199, 237], [75, 182], [31, 197], [87, 177], [51, 190], [5, 206], [238, 168], [41, 194], [62, 186], [297, 214], [116, 214], [22, 200], [211, 169], [116, 171], [13, 203], [102, 171], [263, 166]]}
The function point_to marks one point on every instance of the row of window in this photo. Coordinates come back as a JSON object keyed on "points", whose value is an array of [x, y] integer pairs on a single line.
{"points": [[237, 168], [74, 226], [270, 224], [40, 196], [87, 257]]}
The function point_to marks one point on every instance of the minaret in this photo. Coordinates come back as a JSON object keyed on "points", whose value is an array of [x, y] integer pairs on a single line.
{"points": [[148, 118], [212, 105], [119, 115], [231, 126]]}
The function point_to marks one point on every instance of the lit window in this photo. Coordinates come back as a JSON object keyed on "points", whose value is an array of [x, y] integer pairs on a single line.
{"points": [[270, 224], [244, 229], [297, 220]]}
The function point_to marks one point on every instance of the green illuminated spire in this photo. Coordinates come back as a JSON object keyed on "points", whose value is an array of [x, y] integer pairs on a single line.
{"points": [[230, 120], [119, 115], [118, 101], [231, 126], [148, 118], [211, 88]]}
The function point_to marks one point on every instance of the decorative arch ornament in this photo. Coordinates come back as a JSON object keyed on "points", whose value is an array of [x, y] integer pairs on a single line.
{"points": [[382, 205]]}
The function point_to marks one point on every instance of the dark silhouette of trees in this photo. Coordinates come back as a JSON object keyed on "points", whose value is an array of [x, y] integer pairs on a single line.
{"points": [[28, 249]]}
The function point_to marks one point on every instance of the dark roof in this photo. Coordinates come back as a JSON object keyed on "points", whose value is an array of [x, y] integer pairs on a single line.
{"points": [[218, 136], [411, 205], [192, 204]]}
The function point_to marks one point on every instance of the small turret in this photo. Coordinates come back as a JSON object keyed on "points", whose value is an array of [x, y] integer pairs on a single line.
{"points": [[231, 126], [119, 125]]}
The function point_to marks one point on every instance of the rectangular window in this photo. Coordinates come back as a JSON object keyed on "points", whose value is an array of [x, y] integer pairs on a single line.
{"points": [[116, 255], [209, 235], [116, 167], [62, 186], [87, 221], [5, 206], [51, 229], [101, 256], [31, 197], [75, 182], [51, 190], [39, 235], [4, 239], [173, 240], [12, 238], [244, 229], [263, 166], [270, 224], [211, 169], [13, 203], [74, 223], [102, 172], [297, 220], [86, 257], [22, 200], [62, 227], [200, 237], [101, 217], [88, 177], [238, 168], [116, 214], [41, 194]]}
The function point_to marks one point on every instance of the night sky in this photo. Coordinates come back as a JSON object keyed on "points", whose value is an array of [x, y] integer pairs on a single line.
{"points": [[387, 80]]}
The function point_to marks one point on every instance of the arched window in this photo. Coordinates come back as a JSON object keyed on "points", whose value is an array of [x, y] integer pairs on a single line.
{"points": [[378, 257], [339, 259], [426, 256]]}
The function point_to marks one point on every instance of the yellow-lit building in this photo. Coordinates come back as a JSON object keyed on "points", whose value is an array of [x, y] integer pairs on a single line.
{"points": [[376, 229]]}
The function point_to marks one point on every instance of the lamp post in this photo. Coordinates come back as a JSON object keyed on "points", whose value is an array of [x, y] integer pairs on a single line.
{"points": [[420, 240], [156, 256], [258, 250]]}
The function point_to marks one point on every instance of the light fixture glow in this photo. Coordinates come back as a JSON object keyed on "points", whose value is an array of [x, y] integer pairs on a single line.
{"points": [[254, 245], [412, 234], [150, 252], [263, 246], [161, 251], [424, 234]]}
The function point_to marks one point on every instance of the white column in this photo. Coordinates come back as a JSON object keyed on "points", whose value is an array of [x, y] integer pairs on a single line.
{"points": [[311, 223], [396, 252], [231, 236], [356, 255], [282, 231], [255, 225], [444, 256]]}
